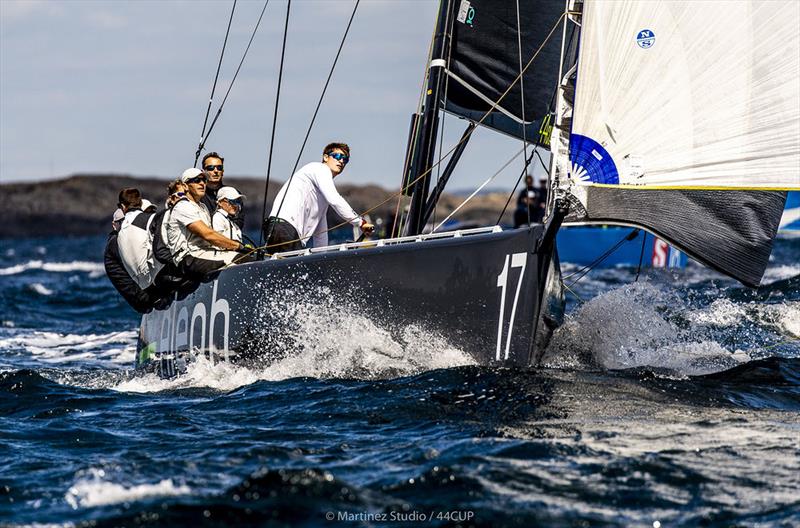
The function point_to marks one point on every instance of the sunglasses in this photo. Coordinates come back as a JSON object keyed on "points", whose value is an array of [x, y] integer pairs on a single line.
{"points": [[210, 168], [198, 179], [344, 158]]}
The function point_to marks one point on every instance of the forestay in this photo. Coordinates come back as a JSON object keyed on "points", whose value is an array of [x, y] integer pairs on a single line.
{"points": [[688, 95]]}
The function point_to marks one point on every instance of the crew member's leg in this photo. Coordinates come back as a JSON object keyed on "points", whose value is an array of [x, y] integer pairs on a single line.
{"points": [[284, 236]]}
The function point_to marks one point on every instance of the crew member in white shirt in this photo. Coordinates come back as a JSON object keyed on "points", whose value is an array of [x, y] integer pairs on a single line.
{"points": [[300, 208], [194, 245], [229, 204], [135, 239]]}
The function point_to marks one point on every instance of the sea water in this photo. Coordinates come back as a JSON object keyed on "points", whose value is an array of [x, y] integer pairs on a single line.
{"points": [[671, 400]]}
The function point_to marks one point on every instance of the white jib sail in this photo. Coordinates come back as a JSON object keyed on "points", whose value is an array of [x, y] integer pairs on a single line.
{"points": [[688, 94]]}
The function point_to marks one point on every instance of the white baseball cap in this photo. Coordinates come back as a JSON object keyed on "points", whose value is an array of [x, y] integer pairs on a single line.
{"points": [[228, 193], [147, 204], [188, 174]]}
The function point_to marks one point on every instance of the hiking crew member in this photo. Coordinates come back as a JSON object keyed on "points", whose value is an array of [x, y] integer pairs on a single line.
{"points": [[193, 244], [140, 300], [135, 238], [301, 206], [229, 203]]}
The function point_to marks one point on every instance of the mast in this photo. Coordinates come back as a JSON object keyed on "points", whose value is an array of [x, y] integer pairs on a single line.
{"points": [[424, 146]]}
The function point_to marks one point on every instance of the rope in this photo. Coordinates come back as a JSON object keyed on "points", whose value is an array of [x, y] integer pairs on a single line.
{"points": [[586, 269], [514, 190], [522, 108], [641, 258], [214, 86], [274, 120], [471, 196], [233, 80], [310, 126], [464, 138], [572, 292]]}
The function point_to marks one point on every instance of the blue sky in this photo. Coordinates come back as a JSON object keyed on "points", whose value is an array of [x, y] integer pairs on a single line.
{"points": [[116, 86]]}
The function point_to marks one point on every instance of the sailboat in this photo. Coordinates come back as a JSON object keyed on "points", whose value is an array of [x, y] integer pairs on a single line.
{"points": [[680, 118]]}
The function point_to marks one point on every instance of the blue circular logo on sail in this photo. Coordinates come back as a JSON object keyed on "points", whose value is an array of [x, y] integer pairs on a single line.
{"points": [[591, 163], [646, 38]]}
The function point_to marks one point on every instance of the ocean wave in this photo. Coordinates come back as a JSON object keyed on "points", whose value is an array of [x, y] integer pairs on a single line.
{"points": [[94, 268], [778, 273], [94, 490], [372, 354], [113, 348], [630, 327], [40, 288]]}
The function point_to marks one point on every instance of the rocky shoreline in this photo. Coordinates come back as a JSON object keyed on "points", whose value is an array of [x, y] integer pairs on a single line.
{"points": [[82, 204]]}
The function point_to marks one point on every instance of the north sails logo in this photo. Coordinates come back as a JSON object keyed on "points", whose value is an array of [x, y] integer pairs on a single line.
{"points": [[646, 38]]}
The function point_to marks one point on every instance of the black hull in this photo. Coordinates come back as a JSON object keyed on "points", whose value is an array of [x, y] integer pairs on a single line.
{"points": [[458, 289]]}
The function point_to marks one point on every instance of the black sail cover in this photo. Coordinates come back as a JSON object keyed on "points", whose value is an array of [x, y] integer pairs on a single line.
{"points": [[729, 231], [485, 60]]}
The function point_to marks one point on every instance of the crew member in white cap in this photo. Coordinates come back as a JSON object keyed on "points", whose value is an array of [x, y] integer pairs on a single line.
{"points": [[229, 205], [194, 245]]}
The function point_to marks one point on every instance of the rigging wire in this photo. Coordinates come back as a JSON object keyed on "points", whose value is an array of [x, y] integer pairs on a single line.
{"points": [[325, 88], [471, 196], [214, 87], [581, 273], [411, 152], [310, 125], [522, 108], [514, 190], [274, 122], [415, 130], [463, 139], [230, 86], [641, 258]]}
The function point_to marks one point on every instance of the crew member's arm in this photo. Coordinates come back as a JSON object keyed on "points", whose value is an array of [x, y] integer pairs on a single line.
{"points": [[339, 204], [202, 230]]}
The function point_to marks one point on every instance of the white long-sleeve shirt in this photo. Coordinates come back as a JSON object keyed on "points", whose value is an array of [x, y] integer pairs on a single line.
{"points": [[307, 200]]}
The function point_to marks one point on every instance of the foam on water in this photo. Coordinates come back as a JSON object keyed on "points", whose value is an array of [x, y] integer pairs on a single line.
{"points": [[40, 288], [630, 327], [778, 273], [94, 490], [95, 269], [721, 312], [373, 354], [116, 348]]}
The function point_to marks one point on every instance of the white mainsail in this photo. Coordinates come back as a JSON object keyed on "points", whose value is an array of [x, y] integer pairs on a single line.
{"points": [[683, 94]]}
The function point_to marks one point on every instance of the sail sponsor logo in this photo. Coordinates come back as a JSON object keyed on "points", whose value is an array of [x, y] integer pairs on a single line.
{"points": [[645, 38], [466, 13]]}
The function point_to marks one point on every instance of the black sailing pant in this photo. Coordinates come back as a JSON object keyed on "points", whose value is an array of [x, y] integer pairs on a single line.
{"points": [[284, 236]]}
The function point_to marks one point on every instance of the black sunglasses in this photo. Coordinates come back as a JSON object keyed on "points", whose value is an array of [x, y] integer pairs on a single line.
{"points": [[197, 179], [213, 167]]}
